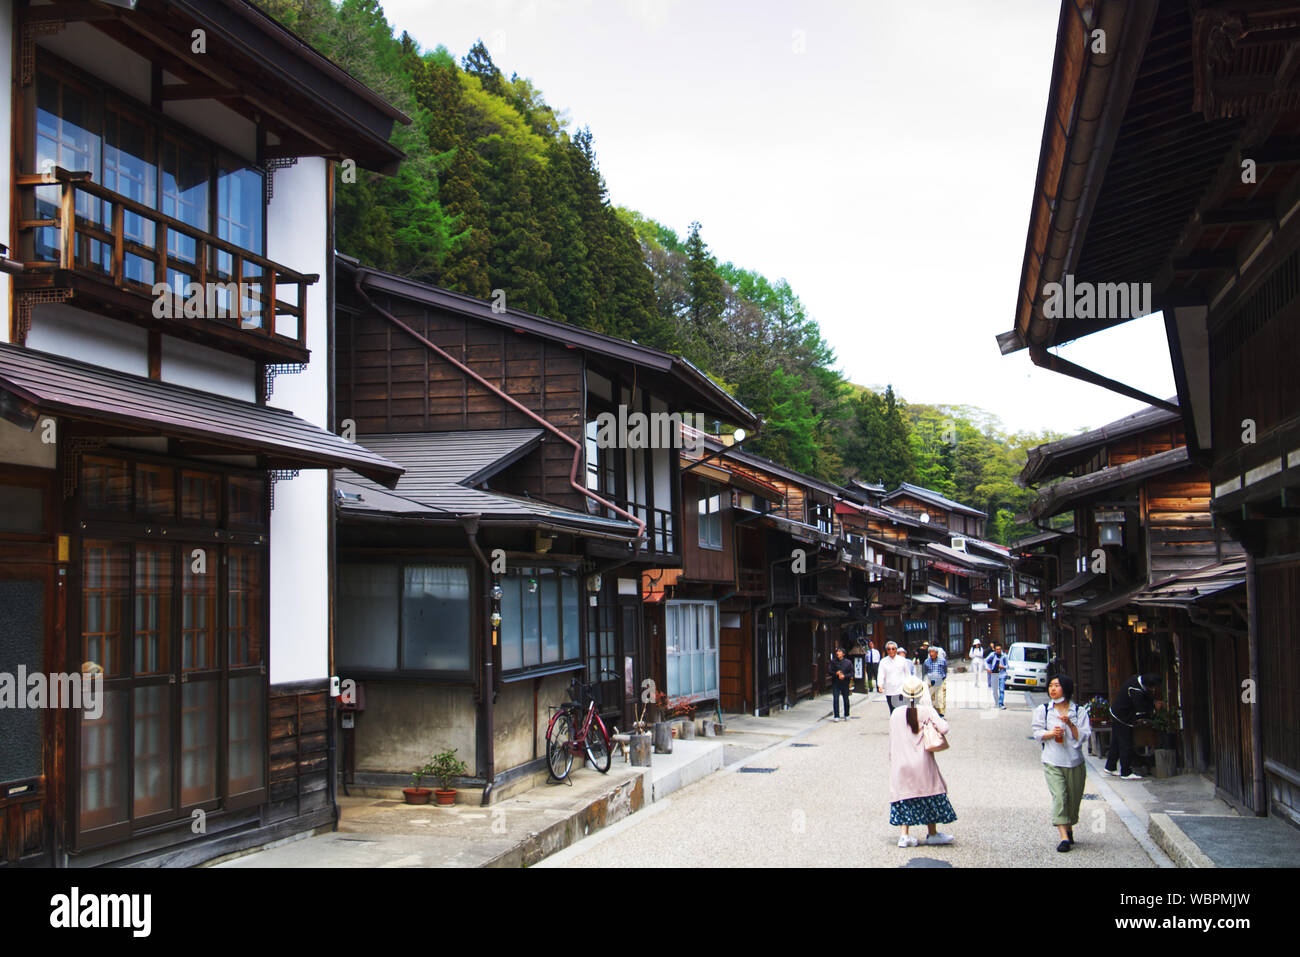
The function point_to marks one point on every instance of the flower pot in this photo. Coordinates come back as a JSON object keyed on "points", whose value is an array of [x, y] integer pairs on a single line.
{"points": [[416, 795], [445, 798]]}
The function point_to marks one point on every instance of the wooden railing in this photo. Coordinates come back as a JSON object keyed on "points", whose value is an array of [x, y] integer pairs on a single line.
{"points": [[751, 581], [95, 243]]}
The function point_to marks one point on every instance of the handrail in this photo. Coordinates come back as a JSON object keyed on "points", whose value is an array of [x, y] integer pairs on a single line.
{"points": [[110, 231]]}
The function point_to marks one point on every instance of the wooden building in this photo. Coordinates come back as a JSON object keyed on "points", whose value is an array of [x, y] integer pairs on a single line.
{"points": [[1204, 91], [163, 380], [530, 495]]}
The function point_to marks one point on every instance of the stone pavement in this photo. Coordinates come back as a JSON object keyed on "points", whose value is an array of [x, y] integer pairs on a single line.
{"points": [[820, 797]]}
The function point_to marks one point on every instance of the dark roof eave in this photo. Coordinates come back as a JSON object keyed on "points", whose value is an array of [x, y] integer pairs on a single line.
{"points": [[1056, 498], [1040, 460]]}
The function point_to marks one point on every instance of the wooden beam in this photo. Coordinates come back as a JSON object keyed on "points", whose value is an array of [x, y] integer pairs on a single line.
{"points": [[1239, 215], [1274, 152], [1206, 259], [198, 91]]}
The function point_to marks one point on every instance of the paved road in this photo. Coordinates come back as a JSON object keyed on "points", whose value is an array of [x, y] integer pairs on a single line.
{"points": [[827, 804]]}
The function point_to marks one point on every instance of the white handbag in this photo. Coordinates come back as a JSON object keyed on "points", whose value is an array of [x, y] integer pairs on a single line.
{"points": [[932, 738]]}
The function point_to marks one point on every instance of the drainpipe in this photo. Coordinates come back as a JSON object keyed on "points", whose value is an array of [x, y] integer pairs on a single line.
{"points": [[470, 524], [1252, 645], [509, 400]]}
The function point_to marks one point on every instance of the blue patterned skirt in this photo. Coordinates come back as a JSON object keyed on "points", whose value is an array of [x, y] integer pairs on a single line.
{"points": [[934, 809]]}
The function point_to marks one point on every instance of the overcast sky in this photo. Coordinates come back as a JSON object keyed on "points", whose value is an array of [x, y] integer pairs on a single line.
{"points": [[880, 155]]}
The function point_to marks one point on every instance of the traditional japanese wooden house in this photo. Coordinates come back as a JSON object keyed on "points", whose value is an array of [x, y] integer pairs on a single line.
{"points": [[542, 480], [1209, 86], [163, 381], [1142, 515]]}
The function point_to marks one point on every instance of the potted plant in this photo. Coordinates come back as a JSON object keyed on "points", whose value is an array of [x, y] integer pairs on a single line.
{"points": [[1167, 724], [443, 767], [416, 794], [1098, 712]]}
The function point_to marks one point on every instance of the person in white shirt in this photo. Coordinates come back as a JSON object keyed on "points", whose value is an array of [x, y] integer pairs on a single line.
{"points": [[893, 671], [872, 661], [976, 658], [1062, 727]]}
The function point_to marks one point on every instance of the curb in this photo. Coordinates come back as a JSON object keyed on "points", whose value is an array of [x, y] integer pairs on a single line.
{"points": [[1169, 837]]}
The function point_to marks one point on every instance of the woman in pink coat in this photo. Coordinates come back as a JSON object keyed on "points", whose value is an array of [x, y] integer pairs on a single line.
{"points": [[917, 792]]}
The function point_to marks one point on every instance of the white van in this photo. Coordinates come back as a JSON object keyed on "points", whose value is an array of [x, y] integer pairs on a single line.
{"points": [[1027, 666]]}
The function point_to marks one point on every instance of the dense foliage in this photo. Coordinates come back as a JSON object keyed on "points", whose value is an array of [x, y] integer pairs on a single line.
{"points": [[499, 198]]}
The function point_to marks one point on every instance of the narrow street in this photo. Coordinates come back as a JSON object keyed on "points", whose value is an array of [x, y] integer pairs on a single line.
{"points": [[826, 803]]}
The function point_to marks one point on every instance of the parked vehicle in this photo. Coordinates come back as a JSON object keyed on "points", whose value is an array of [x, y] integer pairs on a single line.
{"points": [[1027, 666]]}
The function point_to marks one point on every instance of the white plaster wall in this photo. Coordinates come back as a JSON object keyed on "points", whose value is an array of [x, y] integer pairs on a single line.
{"points": [[209, 370], [67, 331], [85, 47], [25, 448], [6, 124], [296, 237]]}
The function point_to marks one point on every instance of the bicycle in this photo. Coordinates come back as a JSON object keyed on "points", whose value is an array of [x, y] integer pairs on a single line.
{"points": [[563, 742]]}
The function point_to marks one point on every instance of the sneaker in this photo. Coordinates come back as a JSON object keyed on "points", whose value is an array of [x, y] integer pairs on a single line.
{"points": [[1063, 846], [1113, 774], [938, 837], [908, 842], [1131, 777], [1003, 707]]}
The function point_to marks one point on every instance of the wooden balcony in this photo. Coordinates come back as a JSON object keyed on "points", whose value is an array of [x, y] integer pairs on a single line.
{"points": [[109, 253], [890, 592], [751, 582]]}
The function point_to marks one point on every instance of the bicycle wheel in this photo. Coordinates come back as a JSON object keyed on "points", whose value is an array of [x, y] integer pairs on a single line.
{"points": [[598, 745], [559, 746]]}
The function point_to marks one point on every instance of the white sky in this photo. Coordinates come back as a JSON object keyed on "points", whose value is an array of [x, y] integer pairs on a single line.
{"points": [[885, 171]]}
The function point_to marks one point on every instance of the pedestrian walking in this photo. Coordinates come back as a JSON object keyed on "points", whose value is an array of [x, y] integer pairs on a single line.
{"points": [[996, 662], [873, 666], [893, 672], [976, 659], [1135, 700], [918, 793], [840, 671], [936, 675], [1062, 727]]}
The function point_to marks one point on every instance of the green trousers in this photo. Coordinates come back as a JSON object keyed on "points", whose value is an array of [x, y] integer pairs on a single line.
{"points": [[1066, 785]]}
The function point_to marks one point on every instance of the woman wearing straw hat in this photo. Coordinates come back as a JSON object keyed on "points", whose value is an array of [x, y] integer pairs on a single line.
{"points": [[917, 792]]}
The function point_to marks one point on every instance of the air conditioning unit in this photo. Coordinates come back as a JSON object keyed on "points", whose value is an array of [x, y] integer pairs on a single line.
{"points": [[958, 543]]}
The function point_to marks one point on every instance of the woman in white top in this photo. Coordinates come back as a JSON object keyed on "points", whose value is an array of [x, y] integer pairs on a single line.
{"points": [[1062, 727], [976, 658]]}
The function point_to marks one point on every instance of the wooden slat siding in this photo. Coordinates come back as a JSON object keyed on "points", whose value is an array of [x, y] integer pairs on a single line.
{"points": [[390, 383], [731, 671], [1147, 443], [698, 563], [1229, 759], [298, 781], [1279, 670]]}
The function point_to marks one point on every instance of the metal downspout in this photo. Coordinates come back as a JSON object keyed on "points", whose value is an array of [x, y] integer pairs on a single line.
{"points": [[510, 400], [470, 524]]}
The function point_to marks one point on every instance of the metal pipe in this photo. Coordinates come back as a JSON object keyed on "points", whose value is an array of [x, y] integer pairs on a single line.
{"points": [[470, 524], [510, 400], [1252, 646]]}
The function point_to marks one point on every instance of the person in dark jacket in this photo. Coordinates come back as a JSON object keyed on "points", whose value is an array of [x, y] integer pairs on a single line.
{"points": [[1136, 699], [840, 671]]}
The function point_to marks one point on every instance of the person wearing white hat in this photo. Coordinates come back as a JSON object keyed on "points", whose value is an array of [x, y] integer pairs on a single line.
{"points": [[976, 658], [918, 793]]}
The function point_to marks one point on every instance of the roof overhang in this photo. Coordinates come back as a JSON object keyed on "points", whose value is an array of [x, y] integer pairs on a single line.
{"points": [[1056, 498], [102, 401]]}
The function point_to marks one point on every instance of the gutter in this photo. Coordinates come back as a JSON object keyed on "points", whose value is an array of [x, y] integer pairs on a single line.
{"points": [[470, 524]]}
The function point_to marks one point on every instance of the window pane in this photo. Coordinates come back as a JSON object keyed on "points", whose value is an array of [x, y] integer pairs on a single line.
{"points": [[239, 220], [550, 595], [153, 750], [247, 721], [674, 681], [367, 617], [198, 742], [572, 649], [245, 501], [155, 491], [22, 509], [130, 168], [103, 763], [512, 625], [67, 135], [105, 484], [103, 597], [153, 609], [200, 497], [435, 618], [245, 606], [198, 616], [185, 174], [531, 601]]}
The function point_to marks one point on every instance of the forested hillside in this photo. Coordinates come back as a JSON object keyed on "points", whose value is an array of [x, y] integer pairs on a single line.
{"points": [[500, 197]]}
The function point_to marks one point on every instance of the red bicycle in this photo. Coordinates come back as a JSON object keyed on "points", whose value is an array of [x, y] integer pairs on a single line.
{"points": [[574, 728]]}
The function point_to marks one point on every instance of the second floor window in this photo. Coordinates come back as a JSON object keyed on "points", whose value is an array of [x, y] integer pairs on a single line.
{"points": [[710, 514]]}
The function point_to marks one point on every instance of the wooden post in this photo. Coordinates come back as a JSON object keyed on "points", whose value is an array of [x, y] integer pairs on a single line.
{"points": [[663, 737], [68, 216], [119, 252], [639, 746], [686, 730]]}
